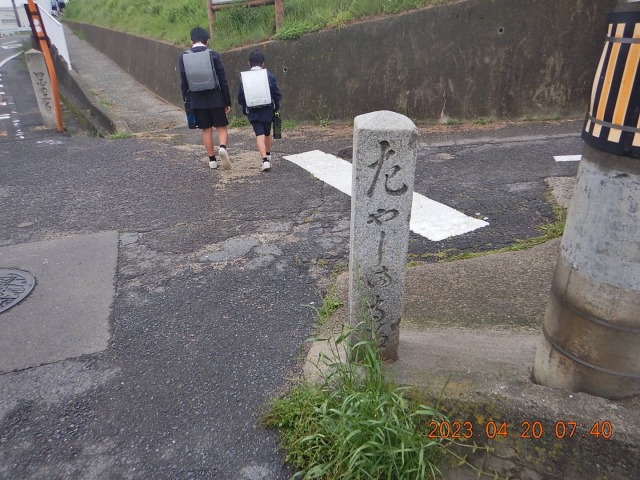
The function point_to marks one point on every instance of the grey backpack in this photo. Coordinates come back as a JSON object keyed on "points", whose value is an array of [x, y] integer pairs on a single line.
{"points": [[255, 84], [201, 74]]}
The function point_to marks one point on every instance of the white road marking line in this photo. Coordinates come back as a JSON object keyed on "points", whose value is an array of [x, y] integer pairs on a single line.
{"points": [[6, 60], [568, 158], [429, 218]]}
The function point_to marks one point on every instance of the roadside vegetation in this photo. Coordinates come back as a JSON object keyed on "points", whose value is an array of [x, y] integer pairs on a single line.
{"points": [[355, 423], [548, 230], [235, 26]]}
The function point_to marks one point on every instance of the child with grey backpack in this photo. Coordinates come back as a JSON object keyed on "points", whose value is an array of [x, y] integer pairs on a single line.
{"points": [[259, 97], [203, 83]]}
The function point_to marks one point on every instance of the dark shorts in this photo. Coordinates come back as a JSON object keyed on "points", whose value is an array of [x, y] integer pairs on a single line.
{"points": [[262, 128], [210, 117]]}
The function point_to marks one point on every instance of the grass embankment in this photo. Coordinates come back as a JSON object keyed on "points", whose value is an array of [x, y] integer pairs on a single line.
{"points": [[236, 26]]}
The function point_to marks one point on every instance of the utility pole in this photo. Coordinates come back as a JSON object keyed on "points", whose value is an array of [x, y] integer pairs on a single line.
{"points": [[591, 330], [15, 11]]}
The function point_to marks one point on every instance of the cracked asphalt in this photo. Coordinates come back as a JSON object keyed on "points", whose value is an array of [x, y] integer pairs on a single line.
{"points": [[214, 269]]}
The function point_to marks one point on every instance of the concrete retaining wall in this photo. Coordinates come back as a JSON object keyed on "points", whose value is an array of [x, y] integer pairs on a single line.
{"points": [[472, 58]]}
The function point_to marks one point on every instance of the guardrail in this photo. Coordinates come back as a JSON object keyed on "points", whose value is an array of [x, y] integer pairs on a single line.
{"points": [[9, 32]]}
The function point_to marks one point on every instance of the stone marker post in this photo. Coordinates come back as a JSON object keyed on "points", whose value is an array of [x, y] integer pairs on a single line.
{"points": [[591, 332], [384, 162], [42, 86]]}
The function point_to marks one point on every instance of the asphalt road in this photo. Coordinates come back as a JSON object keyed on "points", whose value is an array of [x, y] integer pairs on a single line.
{"points": [[213, 270]]}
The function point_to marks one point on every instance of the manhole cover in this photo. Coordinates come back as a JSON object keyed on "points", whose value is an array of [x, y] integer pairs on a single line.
{"points": [[14, 286]]}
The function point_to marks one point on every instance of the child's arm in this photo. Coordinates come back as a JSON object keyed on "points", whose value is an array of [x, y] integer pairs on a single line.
{"points": [[222, 77], [241, 98], [184, 85]]}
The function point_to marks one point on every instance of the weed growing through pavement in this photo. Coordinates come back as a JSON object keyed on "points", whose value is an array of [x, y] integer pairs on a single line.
{"points": [[483, 120], [330, 302], [322, 121], [289, 123], [119, 135], [544, 118], [339, 268], [549, 231], [105, 103]]}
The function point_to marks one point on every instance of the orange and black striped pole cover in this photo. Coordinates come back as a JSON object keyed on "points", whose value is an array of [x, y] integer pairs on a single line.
{"points": [[613, 120]]}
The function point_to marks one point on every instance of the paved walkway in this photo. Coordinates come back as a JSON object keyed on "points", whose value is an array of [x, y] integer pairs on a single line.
{"points": [[124, 98]]}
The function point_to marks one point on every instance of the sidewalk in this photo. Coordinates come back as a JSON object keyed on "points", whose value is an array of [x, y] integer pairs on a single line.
{"points": [[473, 323], [131, 106]]}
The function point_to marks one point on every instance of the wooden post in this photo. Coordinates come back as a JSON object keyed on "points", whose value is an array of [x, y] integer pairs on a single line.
{"points": [[246, 3], [279, 13], [212, 17]]}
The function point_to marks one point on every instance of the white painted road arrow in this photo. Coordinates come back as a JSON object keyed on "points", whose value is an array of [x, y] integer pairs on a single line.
{"points": [[429, 218]]}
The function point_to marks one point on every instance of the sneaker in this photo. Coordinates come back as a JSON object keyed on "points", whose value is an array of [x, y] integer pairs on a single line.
{"points": [[224, 159], [213, 164], [266, 166], [269, 158]]}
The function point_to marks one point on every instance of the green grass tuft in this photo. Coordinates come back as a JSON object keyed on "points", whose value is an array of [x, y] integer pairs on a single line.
{"points": [[237, 122], [119, 135], [483, 120], [289, 123], [549, 231], [330, 303], [356, 424]]}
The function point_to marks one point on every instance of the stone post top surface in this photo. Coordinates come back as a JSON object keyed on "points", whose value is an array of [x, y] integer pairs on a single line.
{"points": [[383, 120]]}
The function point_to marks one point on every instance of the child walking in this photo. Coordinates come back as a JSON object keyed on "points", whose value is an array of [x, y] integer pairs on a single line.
{"points": [[210, 105], [261, 117]]}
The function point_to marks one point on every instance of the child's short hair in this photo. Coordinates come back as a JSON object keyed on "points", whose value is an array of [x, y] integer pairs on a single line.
{"points": [[199, 34], [256, 58]]}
